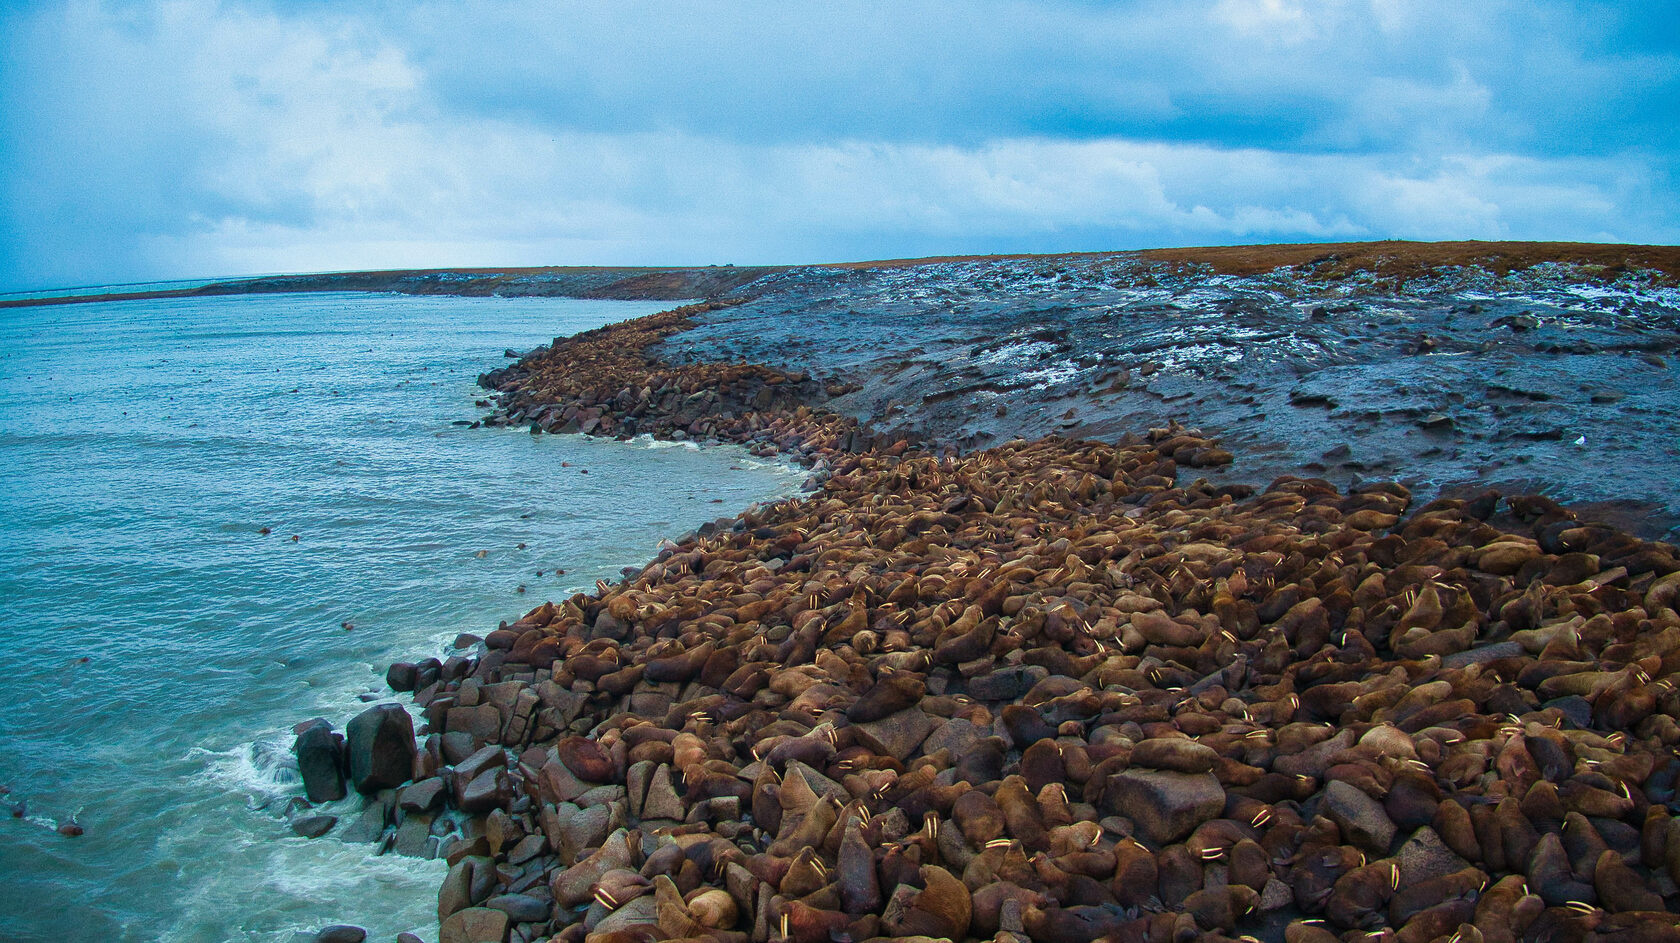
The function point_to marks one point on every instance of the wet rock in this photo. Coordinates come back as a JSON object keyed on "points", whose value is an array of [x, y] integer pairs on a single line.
{"points": [[368, 826], [1165, 805], [422, 796], [413, 837], [380, 748], [402, 676], [313, 826], [340, 933], [319, 752]]}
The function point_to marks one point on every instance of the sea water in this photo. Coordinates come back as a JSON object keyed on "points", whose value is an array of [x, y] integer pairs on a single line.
{"points": [[156, 646]]}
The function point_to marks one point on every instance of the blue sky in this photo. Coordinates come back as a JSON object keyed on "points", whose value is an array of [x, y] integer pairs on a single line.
{"points": [[152, 140]]}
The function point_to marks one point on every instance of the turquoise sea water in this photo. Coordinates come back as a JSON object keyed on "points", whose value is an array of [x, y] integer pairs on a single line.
{"points": [[156, 647]]}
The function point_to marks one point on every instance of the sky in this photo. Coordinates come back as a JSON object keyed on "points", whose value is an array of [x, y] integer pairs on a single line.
{"points": [[196, 138]]}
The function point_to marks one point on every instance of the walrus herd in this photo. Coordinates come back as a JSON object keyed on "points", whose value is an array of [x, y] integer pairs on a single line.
{"points": [[1054, 692]]}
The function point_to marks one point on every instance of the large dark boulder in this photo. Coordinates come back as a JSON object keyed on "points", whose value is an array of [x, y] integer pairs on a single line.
{"points": [[381, 751], [318, 752], [1165, 805]]}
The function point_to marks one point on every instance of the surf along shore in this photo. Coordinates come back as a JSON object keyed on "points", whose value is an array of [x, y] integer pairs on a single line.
{"points": [[1051, 689]]}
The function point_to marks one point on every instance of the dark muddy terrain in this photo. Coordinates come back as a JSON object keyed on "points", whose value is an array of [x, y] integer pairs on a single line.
{"points": [[1549, 379]]}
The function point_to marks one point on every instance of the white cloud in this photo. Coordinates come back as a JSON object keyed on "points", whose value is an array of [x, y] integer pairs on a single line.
{"points": [[195, 136]]}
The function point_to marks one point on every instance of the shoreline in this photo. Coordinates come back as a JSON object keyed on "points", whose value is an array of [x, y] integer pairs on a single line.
{"points": [[1392, 259], [1060, 691]]}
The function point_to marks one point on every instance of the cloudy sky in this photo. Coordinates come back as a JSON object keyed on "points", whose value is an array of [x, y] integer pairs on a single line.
{"points": [[153, 140]]}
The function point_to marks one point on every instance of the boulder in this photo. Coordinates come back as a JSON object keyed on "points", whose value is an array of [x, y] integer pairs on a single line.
{"points": [[368, 826], [1163, 804], [1363, 821], [896, 735], [423, 796], [662, 801], [319, 752], [958, 735], [402, 675], [456, 892], [521, 908], [481, 721], [340, 933], [412, 837], [474, 925], [313, 826], [488, 790], [579, 829], [381, 748], [1006, 684], [1424, 857]]}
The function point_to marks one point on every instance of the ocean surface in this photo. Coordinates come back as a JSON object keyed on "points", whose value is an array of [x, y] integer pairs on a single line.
{"points": [[156, 646]]}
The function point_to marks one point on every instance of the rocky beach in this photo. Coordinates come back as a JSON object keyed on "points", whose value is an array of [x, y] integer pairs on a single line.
{"points": [[1136, 597]]}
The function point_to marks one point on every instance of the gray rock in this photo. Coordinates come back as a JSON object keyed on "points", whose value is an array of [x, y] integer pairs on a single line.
{"points": [[406, 937], [412, 835], [529, 847], [456, 747], [662, 801], [580, 829], [469, 769], [456, 892], [474, 925], [313, 826], [1006, 684], [636, 782], [423, 796], [1361, 818], [1164, 805], [368, 826], [958, 736], [319, 752], [340, 933], [600, 795], [521, 908], [381, 748], [897, 735], [483, 722], [1425, 856], [488, 790], [402, 675]]}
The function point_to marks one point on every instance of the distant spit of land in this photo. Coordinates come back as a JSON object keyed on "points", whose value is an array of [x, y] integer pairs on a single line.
{"points": [[1387, 259]]}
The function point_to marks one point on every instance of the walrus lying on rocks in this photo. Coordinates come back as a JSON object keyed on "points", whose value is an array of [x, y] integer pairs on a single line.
{"points": [[1050, 692]]}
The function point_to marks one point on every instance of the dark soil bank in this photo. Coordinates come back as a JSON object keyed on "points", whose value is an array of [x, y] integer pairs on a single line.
{"points": [[1059, 690]]}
